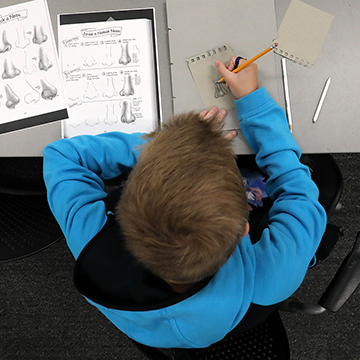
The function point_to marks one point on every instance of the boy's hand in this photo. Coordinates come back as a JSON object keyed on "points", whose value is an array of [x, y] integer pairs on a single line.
{"points": [[242, 83], [207, 114]]}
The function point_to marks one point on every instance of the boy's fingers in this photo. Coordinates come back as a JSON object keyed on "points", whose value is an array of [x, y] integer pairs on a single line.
{"points": [[231, 64], [203, 113], [220, 116], [210, 113], [231, 135], [221, 68]]}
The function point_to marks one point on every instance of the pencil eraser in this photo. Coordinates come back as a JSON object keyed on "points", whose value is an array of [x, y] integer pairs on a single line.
{"points": [[276, 44]]}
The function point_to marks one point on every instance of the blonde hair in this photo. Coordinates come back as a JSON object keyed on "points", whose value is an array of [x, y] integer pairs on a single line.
{"points": [[184, 206]]}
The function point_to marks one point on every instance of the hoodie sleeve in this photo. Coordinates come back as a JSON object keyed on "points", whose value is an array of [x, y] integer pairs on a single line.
{"points": [[297, 221], [74, 170]]}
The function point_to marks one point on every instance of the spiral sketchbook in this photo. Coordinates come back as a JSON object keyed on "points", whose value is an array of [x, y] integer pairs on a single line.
{"points": [[302, 33], [245, 27], [206, 77]]}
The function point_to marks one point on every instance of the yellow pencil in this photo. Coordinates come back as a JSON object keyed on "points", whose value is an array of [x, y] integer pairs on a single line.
{"points": [[252, 60]]}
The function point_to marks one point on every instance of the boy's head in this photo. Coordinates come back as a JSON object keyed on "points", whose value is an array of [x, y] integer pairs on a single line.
{"points": [[184, 207]]}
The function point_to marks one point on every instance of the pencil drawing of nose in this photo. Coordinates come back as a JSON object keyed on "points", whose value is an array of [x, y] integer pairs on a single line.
{"points": [[10, 71], [127, 115], [111, 117], [48, 91], [44, 63], [109, 59], [128, 88], [22, 41], [125, 57], [92, 121], [4, 45], [29, 68], [90, 61], [110, 90], [32, 96], [39, 35], [11, 98], [220, 89], [90, 92]]}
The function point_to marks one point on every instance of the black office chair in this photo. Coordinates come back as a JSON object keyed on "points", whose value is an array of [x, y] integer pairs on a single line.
{"points": [[26, 222], [269, 340], [327, 176]]}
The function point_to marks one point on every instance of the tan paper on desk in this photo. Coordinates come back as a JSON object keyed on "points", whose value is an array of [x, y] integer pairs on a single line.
{"points": [[206, 76], [302, 33]]}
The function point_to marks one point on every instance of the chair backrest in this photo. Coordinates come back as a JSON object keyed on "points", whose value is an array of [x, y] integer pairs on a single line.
{"points": [[267, 341], [22, 176], [326, 174]]}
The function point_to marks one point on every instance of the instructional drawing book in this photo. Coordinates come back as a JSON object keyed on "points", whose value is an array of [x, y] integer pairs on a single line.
{"points": [[109, 64], [247, 26], [302, 33], [31, 90]]}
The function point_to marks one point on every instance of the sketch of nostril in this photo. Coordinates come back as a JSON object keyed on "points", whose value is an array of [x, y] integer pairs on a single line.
{"points": [[12, 98], [10, 71], [39, 35], [127, 116], [49, 91], [220, 89], [128, 88], [5, 46], [44, 63], [125, 57]]}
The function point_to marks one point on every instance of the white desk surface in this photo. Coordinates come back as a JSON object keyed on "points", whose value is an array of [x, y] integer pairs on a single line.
{"points": [[338, 126]]}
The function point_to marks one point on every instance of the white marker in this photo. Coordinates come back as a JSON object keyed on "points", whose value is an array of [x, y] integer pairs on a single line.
{"points": [[286, 92], [322, 98]]}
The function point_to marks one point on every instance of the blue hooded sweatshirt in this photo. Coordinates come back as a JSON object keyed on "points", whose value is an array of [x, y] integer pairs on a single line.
{"points": [[263, 273]]}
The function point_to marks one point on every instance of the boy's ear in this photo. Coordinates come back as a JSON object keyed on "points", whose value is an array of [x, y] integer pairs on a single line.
{"points": [[247, 229]]}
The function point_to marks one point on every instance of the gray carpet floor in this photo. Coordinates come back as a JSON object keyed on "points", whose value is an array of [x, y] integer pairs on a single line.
{"points": [[43, 317]]}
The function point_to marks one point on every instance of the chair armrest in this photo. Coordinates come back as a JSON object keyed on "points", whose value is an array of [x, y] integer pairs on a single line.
{"points": [[345, 281]]}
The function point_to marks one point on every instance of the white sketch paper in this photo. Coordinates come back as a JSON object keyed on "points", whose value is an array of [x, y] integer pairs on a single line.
{"points": [[31, 90], [109, 74]]}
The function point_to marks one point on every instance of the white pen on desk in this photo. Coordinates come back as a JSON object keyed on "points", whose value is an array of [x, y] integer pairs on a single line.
{"points": [[286, 92], [321, 101]]}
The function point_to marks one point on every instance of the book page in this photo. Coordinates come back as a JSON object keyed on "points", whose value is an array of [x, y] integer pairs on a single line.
{"points": [[109, 74], [31, 91]]}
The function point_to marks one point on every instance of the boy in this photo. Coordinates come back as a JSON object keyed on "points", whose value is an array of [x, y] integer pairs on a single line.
{"points": [[170, 261]]}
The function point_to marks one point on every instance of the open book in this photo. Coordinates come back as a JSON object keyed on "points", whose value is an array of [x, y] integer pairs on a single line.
{"points": [[110, 71]]}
